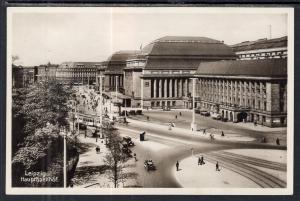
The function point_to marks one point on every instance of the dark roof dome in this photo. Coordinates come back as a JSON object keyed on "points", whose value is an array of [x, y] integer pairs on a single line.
{"points": [[117, 61], [187, 46], [122, 56]]}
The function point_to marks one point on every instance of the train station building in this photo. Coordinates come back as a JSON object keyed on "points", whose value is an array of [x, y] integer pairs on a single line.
{"points": [[244, 90], [159, 76]]}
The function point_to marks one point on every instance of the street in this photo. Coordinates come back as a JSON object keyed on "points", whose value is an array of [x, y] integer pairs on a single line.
{"points": [[165, 146]]}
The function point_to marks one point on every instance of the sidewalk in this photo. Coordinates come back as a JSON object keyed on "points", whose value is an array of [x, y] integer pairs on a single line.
{"points": [[91, 170], [191, 174]]}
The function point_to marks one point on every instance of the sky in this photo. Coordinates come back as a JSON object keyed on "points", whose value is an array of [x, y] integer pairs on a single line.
{"points": [[39, 37]]}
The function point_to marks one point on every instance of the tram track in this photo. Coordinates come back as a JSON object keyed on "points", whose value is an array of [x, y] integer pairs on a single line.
{"points": [[261, 178]]}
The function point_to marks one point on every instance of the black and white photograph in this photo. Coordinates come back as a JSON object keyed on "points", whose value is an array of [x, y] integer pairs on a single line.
{"points": [[150, 100]]}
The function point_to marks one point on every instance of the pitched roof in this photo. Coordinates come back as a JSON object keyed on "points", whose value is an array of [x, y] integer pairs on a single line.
{"points": [[187, 46], [262, 68], [261, 44]]}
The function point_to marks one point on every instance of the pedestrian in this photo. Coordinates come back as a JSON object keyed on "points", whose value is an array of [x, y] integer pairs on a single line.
{"points": [[147, 118], [199, 161], [175, 116], [204, 131], [202, 160], [217, 166], [222, 134], [180, 114], [97, 149], [134, 155], [177, 165], [277, 141]]}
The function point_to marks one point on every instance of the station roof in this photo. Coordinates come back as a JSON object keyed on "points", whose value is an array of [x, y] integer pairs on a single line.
{"points": [[259, 68], [261, 44], [184, 52], [187, 46], [117, 61]]}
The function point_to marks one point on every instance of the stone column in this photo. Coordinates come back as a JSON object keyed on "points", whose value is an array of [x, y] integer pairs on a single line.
{"points": [[175, 88], [171, 88], [187, 87], [154, 88], [260, 94], [180, 88], [165, 88], [159, 88], [255, 95]]}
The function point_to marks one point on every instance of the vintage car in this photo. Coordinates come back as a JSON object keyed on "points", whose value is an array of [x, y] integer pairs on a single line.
{"points": [[128, 141], [149, 165], [204, 113], [216, 116]]}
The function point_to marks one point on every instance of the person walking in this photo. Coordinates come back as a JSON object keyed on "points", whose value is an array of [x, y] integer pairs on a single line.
{"points": [[175, 116], [177, 165], [204, 131], [134, 155], [277, 141], [199, 161], [217, 166], [222, 134], [202, 160], [180, 114]]}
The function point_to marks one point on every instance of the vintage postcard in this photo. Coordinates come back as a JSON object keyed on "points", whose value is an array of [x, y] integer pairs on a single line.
{"points": [[150, 100]]}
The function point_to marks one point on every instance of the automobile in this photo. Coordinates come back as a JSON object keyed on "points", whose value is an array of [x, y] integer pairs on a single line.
{"points": [[128, 140], [197, 111], [149, 165], [216, 116], [132, 112], [166, 108], [204, 113], [139, 112], [224, 119]]}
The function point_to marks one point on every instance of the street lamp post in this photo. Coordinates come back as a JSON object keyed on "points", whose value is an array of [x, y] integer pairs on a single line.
{"points": [[64, 135], [101, 102], [193, 124]]}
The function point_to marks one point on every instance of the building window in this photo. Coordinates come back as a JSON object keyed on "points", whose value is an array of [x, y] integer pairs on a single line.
{"points": [[146, 84], [157, 103], [174, 103]]}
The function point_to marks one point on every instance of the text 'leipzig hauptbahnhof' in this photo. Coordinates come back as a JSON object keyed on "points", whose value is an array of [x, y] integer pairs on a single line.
{"points": [[242, 82]]}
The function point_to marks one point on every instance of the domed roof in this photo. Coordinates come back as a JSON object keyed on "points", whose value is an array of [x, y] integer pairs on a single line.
{"points": [[188, 46], [117, 61], [122, 56]]}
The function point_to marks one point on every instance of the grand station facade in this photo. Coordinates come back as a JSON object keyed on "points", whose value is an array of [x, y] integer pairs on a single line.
{"points": [[160, 75]]}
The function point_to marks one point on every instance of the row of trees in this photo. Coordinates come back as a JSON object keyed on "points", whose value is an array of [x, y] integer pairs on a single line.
{"points": [[38, 113]]}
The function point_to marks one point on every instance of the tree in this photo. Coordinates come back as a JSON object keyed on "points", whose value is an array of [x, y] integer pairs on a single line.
{"points": [[114, 158], [38, 113], [14, 58]]}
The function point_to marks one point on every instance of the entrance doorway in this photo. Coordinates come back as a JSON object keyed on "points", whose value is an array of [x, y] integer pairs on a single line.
{"points": [[242, 116]]}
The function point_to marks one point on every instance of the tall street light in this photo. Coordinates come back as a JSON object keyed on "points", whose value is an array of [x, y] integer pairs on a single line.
{"points": [[193, 124], [63, 133], [101, 102]]}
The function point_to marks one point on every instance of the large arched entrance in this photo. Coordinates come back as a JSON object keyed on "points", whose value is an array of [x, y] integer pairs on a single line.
{"points": [[241, 116]]}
